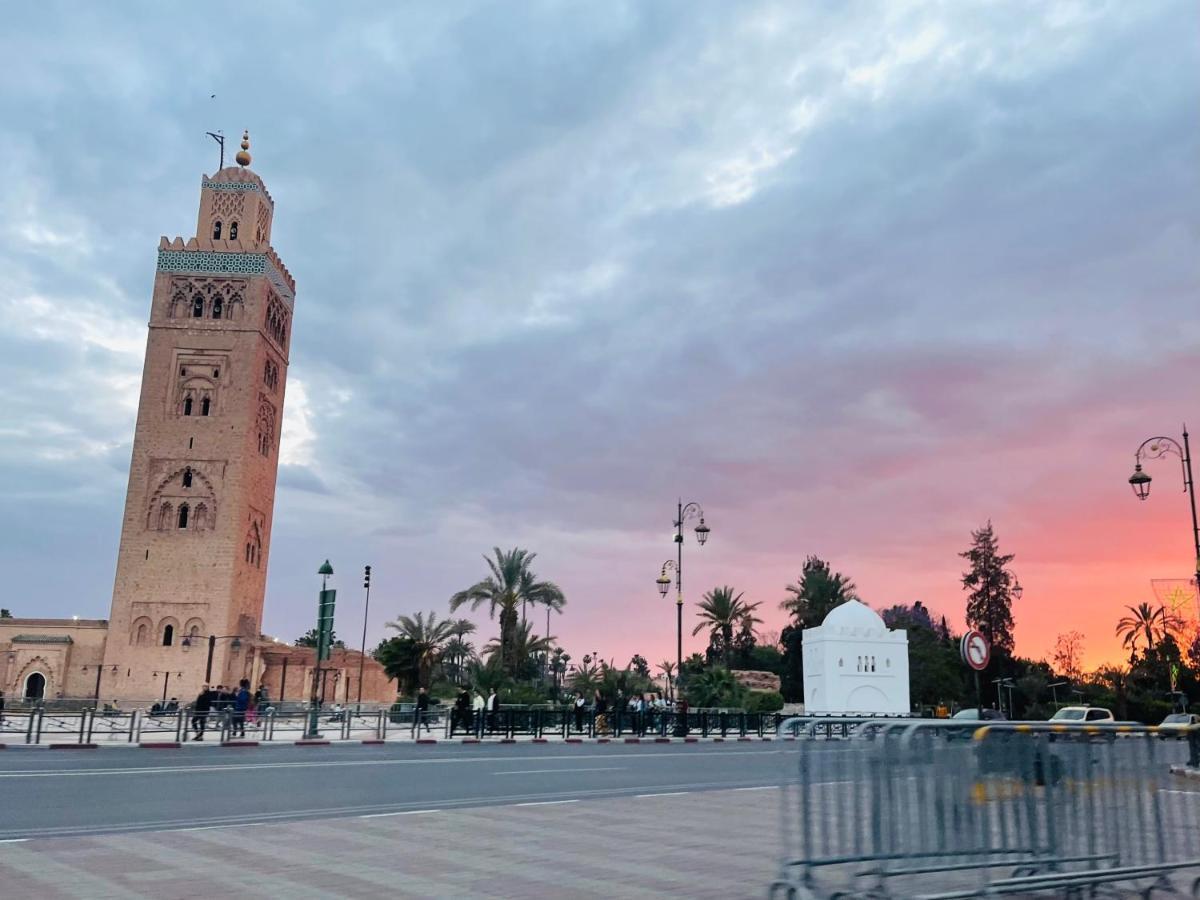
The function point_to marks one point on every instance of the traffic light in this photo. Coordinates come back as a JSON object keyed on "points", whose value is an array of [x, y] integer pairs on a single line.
{"points": [[367, 577]]}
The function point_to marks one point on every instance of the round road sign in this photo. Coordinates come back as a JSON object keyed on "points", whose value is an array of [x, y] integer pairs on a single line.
{"points": [[975, 650]]}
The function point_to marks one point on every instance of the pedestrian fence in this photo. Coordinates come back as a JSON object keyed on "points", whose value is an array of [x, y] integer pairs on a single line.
{"points": [[940, 810], [538, 722], [293, 722]]}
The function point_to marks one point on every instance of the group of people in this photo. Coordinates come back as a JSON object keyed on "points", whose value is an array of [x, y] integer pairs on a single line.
{"points": [[472, 712], [164, 709], [239, 702], [642, 710]]}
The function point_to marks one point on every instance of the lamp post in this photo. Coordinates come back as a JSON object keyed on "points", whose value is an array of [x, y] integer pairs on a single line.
{"points": [[1054, 686], [236, 646], [1157, 448], [166, 682], [363, 654], [324, 629], [683, 514]]}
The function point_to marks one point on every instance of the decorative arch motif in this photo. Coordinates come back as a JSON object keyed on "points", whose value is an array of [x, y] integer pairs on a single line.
{"points": [[38, 665], [168, 631], [265, 424], [140, 631], [194, 629], [218, 298], [277, 321], [173, 496]]}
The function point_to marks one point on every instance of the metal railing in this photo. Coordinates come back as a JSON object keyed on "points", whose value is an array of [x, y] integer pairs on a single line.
{"points": [[936, 810]]}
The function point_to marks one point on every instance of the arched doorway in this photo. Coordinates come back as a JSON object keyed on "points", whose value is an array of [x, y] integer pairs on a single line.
{"points": [[35, 686]]}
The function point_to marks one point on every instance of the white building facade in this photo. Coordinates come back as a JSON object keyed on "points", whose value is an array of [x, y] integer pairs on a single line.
{"points": [[855, 665]]}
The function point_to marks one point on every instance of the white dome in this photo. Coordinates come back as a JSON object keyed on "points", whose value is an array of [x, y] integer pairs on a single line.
{"points": [[854, 614]]}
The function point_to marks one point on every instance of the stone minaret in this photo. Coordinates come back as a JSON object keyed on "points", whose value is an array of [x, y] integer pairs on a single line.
{"points": [[197, 527]]}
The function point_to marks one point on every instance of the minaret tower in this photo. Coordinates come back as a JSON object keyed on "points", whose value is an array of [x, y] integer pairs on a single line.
{"points": [[197, 528]]}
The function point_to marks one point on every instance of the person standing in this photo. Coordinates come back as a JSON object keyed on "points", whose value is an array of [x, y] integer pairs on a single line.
{"points": [[1, 707], [491, 711], [478, 708], [241, 703], [200, 710], [600, 705], [580, 703], [421, 713]]}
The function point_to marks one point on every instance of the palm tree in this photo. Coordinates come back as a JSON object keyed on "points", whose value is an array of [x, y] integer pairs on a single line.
{"points": [[818, 591], [510, 584], [459, 651], [427, 639], [525, 647], [668, 669], [458, 655], [1145, 623], [585, 679], [714, 688], [721, 612]]}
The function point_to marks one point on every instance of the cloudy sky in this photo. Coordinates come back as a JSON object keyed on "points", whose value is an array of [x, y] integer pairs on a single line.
{"points": [[857, 277]]}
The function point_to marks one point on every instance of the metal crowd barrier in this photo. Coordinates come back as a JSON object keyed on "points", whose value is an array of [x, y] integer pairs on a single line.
{"points": [[936, 810]]}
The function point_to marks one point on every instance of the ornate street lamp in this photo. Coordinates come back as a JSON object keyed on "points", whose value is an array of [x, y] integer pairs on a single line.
{"points": [[1157, 448], [683, 514]]}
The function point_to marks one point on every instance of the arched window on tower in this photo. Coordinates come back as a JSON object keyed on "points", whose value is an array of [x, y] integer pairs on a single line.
{"points": [[205, 406], [233, 231], [187, 478], [183, 515], [201, 518], [218, 308], [164, 517], [142, 634], [216, 230], [197, 307], [187, 406], [168, 635]]}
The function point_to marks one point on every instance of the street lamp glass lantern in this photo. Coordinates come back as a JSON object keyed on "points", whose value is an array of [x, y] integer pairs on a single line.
{"points": [[702, 531], [236, 645], [1140, 482], [1018, 591], [664, 584], [326, 569], [186, 643]]}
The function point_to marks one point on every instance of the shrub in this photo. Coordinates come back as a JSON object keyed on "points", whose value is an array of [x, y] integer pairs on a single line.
{"points": [[764, 701]]}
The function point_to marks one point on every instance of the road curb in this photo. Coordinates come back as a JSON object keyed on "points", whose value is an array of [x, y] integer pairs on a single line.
{"points": [[425, 741], [373, 742], [633, 740], [662, 740], [310, 743], [239, 743], [573, 741], [541, 741], [691, 740], [160, 745], [1185, 771], [74, 746], [508, 740], [603, 740], [470, 740]]}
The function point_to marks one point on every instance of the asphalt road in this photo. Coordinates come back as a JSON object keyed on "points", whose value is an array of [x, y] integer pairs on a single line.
{"points": [[75, 793]]}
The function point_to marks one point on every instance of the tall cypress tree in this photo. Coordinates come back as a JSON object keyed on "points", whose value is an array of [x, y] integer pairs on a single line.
{"points": [[989, 605]]}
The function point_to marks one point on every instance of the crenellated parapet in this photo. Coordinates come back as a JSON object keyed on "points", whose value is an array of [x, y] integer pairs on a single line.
{"points": [[225, 257]]}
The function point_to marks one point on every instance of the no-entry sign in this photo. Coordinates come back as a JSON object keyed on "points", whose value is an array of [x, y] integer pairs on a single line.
{"points": [[975, 650]]}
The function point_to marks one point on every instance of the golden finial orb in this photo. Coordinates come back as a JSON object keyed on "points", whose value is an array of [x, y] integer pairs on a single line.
{"points": [[243, 155]]}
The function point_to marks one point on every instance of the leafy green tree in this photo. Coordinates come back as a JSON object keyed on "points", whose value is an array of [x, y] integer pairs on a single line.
{"points": [[639, 665], [399, 660], [309, 639], [935, 671], [427, 639], [5, 614], [510, 585], [818, 590], [715, 687], [721, 612], [991, 584]]}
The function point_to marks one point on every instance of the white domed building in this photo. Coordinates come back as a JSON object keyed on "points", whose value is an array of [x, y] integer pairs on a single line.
{"points": [[855, 665]]}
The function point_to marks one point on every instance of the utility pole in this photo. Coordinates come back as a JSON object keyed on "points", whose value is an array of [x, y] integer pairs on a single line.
{"points": [[362, 659]]}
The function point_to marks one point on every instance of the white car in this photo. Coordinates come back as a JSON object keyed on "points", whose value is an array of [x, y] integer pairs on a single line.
{"points": [[1092, 715], [1179, 721]]}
